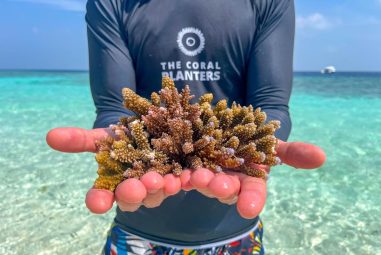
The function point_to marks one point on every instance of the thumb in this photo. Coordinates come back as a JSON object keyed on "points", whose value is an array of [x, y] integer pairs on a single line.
{"points": [[300, 155], [72, 139]]}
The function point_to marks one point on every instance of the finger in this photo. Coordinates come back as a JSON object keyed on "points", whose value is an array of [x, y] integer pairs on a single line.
{"points": [[172, 184], [252, 197], [155, 199], [206, 192], [236, 186], [236, 182], [130, 191], [74, 139], [152, 181], [185, 180], [129, 207], [221, 186], [301, 155], [201, 178], [229, 201], [99, 201]]}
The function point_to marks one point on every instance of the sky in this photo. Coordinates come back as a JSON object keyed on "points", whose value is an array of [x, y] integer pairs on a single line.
{"points": [[51, 34]]}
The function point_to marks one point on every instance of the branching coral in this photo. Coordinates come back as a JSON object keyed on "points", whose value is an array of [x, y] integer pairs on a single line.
{"points": [[170, 133]]}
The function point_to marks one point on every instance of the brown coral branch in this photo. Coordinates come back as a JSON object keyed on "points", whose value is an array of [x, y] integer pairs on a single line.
{"points": [[171, 133], [134, 102]]}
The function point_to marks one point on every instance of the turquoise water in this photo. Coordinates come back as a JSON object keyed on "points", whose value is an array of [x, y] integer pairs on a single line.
{"points": [[334, 210]]}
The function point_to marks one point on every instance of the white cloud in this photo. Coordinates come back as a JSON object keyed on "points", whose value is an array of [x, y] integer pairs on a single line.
{"points": [[315, 21], [69, 5]]}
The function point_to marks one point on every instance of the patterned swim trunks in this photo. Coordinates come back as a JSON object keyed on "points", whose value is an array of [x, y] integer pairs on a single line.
{"points": [[121, 243]]}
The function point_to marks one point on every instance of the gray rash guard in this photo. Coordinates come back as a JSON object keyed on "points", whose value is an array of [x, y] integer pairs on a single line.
{"points": [[241, 50]]}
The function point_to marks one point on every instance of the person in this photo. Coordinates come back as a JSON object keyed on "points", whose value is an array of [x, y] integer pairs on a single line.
{"points": [[240, 50]]}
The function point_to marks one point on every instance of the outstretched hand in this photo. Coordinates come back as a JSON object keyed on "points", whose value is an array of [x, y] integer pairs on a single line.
{"points": [[151, 189]]}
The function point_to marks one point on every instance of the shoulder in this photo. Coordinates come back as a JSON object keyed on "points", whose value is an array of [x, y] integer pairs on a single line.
{"points": [[271, 7], [269, 14], [105, 6], [270, 11]]}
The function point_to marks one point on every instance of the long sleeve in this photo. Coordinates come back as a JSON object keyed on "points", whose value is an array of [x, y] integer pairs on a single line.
{"points": [[110, 63], [270, 67]]}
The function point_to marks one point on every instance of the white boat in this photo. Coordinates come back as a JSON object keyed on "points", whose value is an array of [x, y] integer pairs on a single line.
{"points": [[328, 70]]}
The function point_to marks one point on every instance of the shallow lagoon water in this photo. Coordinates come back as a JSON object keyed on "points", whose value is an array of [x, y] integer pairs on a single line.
{"points": [[334, 210]]}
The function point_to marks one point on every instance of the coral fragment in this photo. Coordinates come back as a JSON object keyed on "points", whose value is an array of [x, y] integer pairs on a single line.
{"points": [[169, 133]]}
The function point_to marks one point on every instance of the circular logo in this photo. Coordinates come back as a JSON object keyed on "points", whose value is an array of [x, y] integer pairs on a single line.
{"points": [[191, 41]]}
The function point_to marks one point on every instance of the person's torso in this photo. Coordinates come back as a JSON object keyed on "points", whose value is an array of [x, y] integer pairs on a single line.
{"points": [[205, 44], [201, 43]]}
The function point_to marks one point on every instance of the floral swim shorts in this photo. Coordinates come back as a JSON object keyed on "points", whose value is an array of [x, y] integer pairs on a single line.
{"points": [[121, 243]]}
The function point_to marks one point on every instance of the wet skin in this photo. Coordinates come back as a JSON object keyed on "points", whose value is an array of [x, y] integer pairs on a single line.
{"points": [[248, 193]]}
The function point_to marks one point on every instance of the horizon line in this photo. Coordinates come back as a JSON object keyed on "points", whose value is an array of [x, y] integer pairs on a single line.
{"points": [[86, 70]]}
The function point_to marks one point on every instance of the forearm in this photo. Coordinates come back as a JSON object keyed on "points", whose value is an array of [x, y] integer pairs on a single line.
{"points": [[104, 119], [111, 67], [285, 120], [270, 74]]}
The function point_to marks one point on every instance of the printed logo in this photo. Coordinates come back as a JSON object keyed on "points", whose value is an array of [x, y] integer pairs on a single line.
{"points": [[191, 41]]}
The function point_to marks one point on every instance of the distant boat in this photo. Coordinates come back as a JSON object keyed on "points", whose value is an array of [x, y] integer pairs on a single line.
{"points": [[328, 70]]}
